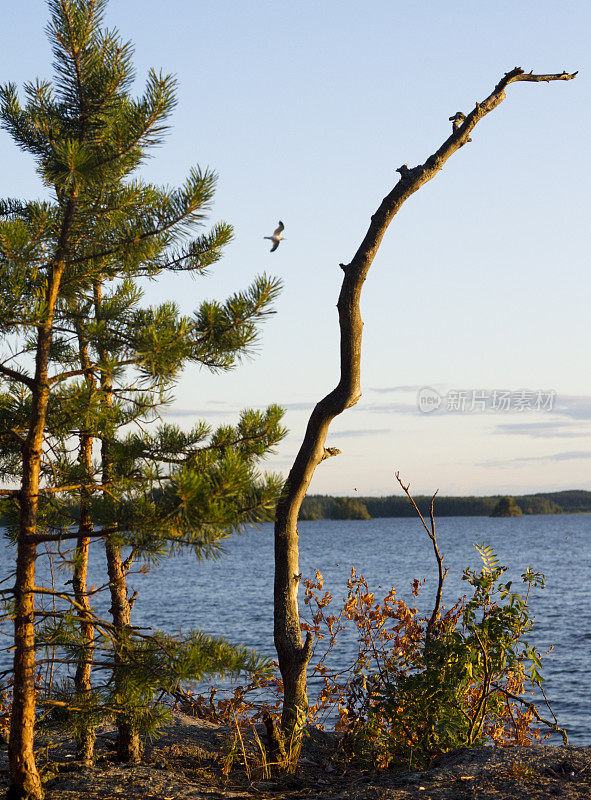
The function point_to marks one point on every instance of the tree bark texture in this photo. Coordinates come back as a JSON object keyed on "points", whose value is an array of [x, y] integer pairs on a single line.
{"points": [[24, 777], [293, 653]]}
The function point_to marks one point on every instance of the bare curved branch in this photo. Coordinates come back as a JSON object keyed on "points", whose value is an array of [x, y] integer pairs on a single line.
{"points": [[292, 652]]}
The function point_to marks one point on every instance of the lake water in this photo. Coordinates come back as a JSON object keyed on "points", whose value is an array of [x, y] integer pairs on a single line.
{"points": [[233, 597]]}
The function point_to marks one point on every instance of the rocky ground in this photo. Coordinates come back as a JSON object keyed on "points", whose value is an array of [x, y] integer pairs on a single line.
{"points": [[194, 759]]}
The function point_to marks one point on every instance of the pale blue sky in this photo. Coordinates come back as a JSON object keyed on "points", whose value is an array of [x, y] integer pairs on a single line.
{"points": [[481, 284]]}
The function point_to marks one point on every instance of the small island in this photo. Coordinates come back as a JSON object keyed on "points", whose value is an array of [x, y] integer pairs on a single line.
{"points": [[507, 507]]}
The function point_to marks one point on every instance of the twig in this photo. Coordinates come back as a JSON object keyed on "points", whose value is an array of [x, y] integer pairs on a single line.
{"points": [[439, 558], [532, 707]]}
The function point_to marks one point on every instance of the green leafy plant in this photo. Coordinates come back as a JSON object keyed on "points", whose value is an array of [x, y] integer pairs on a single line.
{"points": [[425, 684]]}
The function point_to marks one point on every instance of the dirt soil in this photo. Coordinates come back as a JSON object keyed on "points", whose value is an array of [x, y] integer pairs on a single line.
{"points": [[194, 759]]}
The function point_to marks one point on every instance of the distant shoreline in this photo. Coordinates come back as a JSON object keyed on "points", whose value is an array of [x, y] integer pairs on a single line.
{"points": [[316, 507]]}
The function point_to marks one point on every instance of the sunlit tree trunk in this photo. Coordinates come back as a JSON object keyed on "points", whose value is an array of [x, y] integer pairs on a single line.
{"points": [[23, 770]]}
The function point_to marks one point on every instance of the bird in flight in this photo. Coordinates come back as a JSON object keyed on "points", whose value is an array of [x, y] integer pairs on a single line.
{"points": [[277, 237]]}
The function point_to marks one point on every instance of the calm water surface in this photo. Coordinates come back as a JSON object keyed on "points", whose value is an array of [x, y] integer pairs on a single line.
{"points": [[233, 597]]}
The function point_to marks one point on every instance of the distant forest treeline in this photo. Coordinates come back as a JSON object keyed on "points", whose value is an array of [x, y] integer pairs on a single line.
{"points": [[326, 507]]}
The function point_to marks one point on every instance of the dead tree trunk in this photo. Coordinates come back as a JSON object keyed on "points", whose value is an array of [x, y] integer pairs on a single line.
{"points": [[293, 653]]}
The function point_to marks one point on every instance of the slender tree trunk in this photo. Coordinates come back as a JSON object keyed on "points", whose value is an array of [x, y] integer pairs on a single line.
{"points": [[24, 776], [23, 770], [82, 678], [128, 739], [293, 653]]}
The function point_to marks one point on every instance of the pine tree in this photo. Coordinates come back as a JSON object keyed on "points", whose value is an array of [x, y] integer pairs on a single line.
{"points": [[70, 343]]}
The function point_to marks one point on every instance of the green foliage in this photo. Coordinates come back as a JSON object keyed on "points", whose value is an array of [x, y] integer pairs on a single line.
{"points": [[421, 686], [152, 664], [75, 261], [348, 508], [162, 664], [575, 501], [113, 362], [535, 504], [506, 507], [453, 693]]}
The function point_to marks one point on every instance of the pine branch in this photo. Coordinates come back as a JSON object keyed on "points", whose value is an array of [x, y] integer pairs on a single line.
{"points": [[19, 377]]}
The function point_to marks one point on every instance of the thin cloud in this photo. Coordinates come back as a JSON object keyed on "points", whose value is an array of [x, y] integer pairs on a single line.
{"points": [[360, 432], [199, 413], [556, 423], [549, 429], [565, 407], [217, 409], [573, 406], [299, 406], [393, 408], [391, 389], [568, 455]]}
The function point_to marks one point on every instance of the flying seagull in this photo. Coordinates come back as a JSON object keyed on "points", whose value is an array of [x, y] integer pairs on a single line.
{"points": [[277, 237]]}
